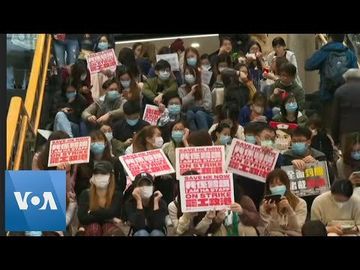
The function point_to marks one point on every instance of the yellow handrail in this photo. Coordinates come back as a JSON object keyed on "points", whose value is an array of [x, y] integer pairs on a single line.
{"points": [[23, 118]]}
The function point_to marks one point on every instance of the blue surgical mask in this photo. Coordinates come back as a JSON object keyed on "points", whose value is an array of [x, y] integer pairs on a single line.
{"points": [[250, 139], [191, 61], [132, 122], [224, 140], [97, 148], [125, 84], [299, 148], [164, 75], [355, 155], [278, 190], [177, 135], [70, 95], [174, 109], [112, 95], [102, 46], [189, 79], [291, 106]]}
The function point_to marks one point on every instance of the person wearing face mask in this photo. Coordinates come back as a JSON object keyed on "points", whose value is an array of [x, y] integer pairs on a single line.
{"points": [[179, 134], [148, 138], [217, 92], [289, 112], [128, 86], [221, 136], [100, 205], [348, 166], [256, 63], [196, 100], [256, 111], [250, 131], [171, 114], [67, 108], [286, 216], [285, 85], [154, 88], [107, 108], [99, 151], [338, 205], [107, 130], [192, 58], [124, 129], [145, 211]]}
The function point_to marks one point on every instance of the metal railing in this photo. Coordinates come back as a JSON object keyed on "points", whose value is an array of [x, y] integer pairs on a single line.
{"points": [[24, 117]]}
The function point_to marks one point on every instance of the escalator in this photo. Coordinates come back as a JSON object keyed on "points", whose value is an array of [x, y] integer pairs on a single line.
{"points": [[25, 103]]}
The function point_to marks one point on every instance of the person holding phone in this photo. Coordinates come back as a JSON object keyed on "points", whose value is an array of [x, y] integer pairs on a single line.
{"points": [[283, 213], [145, 211], [337, 204]]}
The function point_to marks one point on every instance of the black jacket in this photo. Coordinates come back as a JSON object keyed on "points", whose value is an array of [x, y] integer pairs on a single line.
{"points": [[346, 110], [101, 215], [123, 131], [146, 218], [78, 106]]}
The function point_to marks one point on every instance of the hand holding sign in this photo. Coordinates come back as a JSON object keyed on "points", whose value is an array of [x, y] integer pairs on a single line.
{"points": [[64, 167], [210, 214], [220, 216], [299, 164], [236, 208], [161, 107], [309, 159]]}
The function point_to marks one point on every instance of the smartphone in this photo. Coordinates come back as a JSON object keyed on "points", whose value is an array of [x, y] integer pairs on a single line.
{"points": [[274, 198]]}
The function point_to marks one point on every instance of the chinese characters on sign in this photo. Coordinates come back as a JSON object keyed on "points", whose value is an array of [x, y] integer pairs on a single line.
{"points": [[152, 114], [102, 61]]}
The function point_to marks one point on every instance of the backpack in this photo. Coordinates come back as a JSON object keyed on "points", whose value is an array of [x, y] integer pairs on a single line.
{"points": [[335, 66]]}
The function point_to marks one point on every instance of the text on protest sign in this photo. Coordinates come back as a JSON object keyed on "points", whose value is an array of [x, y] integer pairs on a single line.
{"points": [[313, 181], [152, 114], [72, 151], [204, 160], [102, 61], [153, 162], [172, 58], [250, 160], [206, 192]]}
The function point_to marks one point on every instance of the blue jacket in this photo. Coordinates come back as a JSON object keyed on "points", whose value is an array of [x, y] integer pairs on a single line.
{"points": [[317, 60]]}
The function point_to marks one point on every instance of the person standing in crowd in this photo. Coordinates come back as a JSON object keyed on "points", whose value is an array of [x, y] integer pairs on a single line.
{"points": [[255, 63], [289, 112], [69, 44], [146, 210], [337, 204], [332, 60], [286, 85], [280, 50], [346, 106], [348, 166], [100, 205], [107, 108], [286, 216], [99, 151], [196, 99], [67, 108], [155, 88], [125, 129], [178, 47], [171, 114], [256, 111], [128, 86], [179, 135]]}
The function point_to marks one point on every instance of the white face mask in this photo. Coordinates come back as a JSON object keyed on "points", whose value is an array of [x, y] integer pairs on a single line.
{"points": [[109, 136], [159, 141], [146, 192], [101, 180]]}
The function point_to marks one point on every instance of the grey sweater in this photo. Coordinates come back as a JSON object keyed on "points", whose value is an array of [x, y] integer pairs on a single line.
{"points": [[189, 100]]}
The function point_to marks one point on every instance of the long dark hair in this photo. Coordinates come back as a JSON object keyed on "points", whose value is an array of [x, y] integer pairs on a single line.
{"points": [[126, 57], [98, 134], [283, 108], [191, 49], [220, 127], [350, 140], [232, 114], [250, 44], [198, 89], [139, 142], [43, 157], [134, 88]]}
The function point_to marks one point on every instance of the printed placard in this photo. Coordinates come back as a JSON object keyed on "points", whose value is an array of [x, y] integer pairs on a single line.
{"points": [[101, 61], [152, 114], [172, 58]]}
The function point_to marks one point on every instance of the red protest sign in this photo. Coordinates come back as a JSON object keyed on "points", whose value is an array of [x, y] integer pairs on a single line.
{"points": [[250, 160], [206, 192], [152, 114], [72, 151], [204, 160], [286, 126], [101, 61], [153, 162]]}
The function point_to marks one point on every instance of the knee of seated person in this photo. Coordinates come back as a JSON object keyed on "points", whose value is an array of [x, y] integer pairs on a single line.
{"points": [[247, 230]]}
